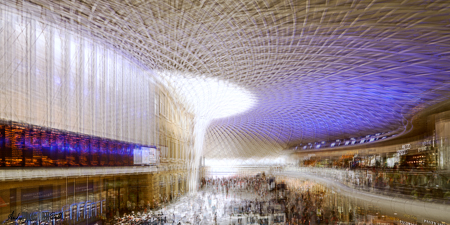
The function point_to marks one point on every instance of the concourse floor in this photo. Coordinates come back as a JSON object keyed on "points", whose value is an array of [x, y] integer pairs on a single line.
{"points": [[308, 200], [202, 207]]}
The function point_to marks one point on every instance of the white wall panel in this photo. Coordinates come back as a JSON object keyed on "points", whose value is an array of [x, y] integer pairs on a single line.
{"points": [[52, 77]]}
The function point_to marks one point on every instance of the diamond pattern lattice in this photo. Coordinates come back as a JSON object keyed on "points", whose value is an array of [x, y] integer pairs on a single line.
{"points": [[321, 69]]}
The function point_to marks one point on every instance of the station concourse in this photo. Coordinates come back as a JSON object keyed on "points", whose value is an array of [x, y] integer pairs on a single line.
{"points": [[224, 112]]}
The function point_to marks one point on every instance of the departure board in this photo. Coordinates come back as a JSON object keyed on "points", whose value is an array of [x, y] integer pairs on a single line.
{"points": [[84, 150], [26, 145], [60, 147], [53, 146], [125, 152], [2, 144], [103, 153], [129, 154], [16, 134], [72, 149], [112, 152], [49, 156], [94, 149], [35, 139], [120, 154], [28, 148]]}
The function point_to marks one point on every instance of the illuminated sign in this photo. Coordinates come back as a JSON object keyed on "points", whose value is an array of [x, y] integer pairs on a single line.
{"points": [[407, 223], [149, 155], [406, 146], [309, 156], [41, 216], [423, 148], [145, 155], [137, 156], [432, 222], [402, 152], [34, 146], [75, 211]]}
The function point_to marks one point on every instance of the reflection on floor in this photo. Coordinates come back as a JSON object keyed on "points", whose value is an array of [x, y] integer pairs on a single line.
{"points": [[305, 202], [214, 206]]}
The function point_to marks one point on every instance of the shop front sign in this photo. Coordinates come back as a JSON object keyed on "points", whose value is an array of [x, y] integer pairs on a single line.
{"points": [[407, 223], [432, 222], [406, 147], [402, 152]]}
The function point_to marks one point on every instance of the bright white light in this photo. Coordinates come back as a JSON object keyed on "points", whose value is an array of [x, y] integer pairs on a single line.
{"points": [[209, 98], [229, 163], [230, 167], [223, 171]]}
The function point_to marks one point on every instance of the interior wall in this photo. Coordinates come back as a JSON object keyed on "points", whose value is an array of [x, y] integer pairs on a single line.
{"points": [[53, 77]]}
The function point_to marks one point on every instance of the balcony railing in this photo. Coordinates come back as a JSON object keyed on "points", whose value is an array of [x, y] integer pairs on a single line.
{"points": [[39, 173], [421, 185]]}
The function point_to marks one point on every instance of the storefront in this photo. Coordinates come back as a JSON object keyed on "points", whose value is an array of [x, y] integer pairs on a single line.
{"points": [[80, 200]]}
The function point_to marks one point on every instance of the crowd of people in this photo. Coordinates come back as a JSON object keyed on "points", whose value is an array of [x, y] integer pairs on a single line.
{"points": [[218, 201], [301, 204], [232, 200], [258, 184], [306, 206]]}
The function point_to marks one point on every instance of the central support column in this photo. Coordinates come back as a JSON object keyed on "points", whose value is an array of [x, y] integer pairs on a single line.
{"points": [[200, 126]]}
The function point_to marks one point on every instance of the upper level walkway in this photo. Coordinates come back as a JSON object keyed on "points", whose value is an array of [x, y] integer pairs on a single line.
{"points": [[26, 173], [428, 186], [346, 182]]}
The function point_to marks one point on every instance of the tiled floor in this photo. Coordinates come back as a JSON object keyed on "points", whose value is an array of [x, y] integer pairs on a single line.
{"points": [[203, 204]]}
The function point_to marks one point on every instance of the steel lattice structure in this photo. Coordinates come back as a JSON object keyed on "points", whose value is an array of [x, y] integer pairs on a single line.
{"points": [[320, 69]]}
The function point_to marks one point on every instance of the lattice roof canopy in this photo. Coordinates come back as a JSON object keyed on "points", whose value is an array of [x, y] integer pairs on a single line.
{"points": [[320, 69]]}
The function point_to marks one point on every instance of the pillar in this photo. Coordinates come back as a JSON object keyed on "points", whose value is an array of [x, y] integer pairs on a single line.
{"points": [[442, 128]]}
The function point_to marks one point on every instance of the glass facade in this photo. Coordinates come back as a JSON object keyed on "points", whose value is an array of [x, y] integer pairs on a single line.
{"points": [[81, 200]]}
